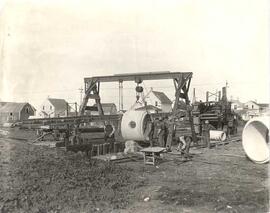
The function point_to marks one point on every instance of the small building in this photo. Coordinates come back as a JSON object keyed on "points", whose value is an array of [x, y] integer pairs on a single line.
{"points": [[159, 100], [254, 109], [13, 112], [54, 107], [236, 105], [264, 108], [108, 109], [252, 105]]}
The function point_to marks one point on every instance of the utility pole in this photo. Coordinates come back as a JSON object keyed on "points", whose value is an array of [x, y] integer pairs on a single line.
{"points": [[227, 86], [81, 92], [120, 95], [76, 109], [194, 95]]}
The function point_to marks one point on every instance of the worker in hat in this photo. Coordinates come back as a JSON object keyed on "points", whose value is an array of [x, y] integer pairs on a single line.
{"points": [[151, 125], [206, 127], [109, 131], [163, 133]]}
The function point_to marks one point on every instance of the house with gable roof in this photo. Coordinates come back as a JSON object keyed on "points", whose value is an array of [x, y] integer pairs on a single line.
{"points": [[54, 107], [159, 100], [11, 112]]}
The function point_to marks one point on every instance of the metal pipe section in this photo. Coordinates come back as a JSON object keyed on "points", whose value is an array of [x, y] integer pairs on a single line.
{"points": [[134, 125], [255, 139], [217, 135]]}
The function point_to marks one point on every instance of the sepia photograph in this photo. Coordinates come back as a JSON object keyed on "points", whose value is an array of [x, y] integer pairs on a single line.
{"points": [[132, 106]]}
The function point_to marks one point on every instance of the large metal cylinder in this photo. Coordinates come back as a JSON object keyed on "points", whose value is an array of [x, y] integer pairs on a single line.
{"points": [[217, 135], [255, 139], [134, 125]]}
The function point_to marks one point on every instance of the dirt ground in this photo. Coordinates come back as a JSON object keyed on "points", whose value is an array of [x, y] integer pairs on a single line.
{"points": [[42, 179]]}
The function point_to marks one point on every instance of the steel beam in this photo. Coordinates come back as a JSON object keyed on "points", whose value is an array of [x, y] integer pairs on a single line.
{"points": [[139, 76]]}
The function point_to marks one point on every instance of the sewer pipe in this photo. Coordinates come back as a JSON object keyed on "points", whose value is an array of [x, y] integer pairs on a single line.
{"points": [[217, 135], [255, 139], [134, 125]]}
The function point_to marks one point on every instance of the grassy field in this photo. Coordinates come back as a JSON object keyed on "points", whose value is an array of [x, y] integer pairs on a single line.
{"points": [[41, 179]]}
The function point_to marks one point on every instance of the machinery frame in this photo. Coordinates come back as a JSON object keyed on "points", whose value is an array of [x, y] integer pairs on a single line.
{"points": [[181, 82]]}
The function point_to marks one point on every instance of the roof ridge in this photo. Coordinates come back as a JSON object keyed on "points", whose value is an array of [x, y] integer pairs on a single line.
{"points": [[162, 97]]}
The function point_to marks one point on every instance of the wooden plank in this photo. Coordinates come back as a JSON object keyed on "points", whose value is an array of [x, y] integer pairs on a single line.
{"points": [[153, 149]]}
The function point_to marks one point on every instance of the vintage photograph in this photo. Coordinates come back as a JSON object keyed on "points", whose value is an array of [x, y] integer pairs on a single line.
{"points": [[124, 106]]}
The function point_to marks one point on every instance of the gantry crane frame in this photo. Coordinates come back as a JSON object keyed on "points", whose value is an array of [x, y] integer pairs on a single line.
{"points": [[181, 82]]}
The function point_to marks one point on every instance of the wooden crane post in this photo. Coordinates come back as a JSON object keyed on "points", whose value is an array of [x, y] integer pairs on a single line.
{"points": [[92, 89], [181, 91]]}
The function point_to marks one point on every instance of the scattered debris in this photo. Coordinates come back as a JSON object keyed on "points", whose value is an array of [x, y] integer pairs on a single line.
{"points": [[3, 132], [132, 147], [146, 199]]}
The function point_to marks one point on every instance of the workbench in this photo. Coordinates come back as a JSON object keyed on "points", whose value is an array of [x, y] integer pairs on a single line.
{"points": [[150, 154]]}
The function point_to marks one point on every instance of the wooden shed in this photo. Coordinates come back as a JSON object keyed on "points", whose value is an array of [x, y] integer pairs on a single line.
{"points": [[12, 112]]}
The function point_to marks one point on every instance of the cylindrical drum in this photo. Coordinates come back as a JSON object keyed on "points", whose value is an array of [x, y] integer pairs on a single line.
{"points": [[255, 139], [134, 125], [217, 135]]}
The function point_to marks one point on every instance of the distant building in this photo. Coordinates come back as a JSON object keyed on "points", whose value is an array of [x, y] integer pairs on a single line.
{"points": [[54, 107], [159, 100], [253, 109], [236, 105], [264, 108], [12, 112], [249, 109], [252, 105], [108, 109]]}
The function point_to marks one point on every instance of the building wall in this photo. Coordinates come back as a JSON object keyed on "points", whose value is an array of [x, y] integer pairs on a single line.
{"points": [[236, 106], [249, 115], [166, 107], [8, 117], [26, 111], [60, 112], [264, 109], [253, 110], [48, 108], [153, 100], [251, 106]]}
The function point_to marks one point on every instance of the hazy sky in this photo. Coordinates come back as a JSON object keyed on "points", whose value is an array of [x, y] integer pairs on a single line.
{"points": [[48, 47]]}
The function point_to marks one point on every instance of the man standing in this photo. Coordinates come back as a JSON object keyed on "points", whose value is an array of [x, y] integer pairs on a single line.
{"points": [[109, 134], [163, 133], [108, 131]]}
